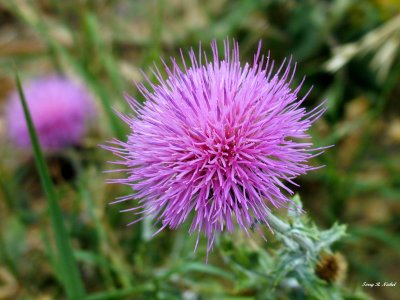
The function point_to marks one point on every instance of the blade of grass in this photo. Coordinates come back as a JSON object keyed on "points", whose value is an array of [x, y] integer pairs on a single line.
{"points": [[8, 198], [5, 256], [89, 79], [96, 39], [122, 294], [50, 252], [107, 246], [157, 28], [198, 267], [70, 275], [382, 235]]}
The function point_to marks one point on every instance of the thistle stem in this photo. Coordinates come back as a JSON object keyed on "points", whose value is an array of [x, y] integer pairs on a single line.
{"points": [[291, 237]]}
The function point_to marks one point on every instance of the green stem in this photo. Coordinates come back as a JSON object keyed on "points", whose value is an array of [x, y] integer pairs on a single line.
{"points": [[277, 225]]}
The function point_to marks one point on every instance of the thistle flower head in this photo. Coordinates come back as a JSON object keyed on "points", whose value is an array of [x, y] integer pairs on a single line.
{"points": [[218, 140], [331, 267], [59, 108]]}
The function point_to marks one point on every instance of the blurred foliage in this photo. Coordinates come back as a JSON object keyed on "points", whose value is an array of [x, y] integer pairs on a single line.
{"points": [[348, 50]]}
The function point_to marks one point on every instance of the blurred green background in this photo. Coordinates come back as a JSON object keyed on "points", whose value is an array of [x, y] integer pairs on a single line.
{"points": [[347, 49]]}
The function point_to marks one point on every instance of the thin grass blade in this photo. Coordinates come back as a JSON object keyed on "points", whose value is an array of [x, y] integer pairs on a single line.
{"points": [[71, 278]]}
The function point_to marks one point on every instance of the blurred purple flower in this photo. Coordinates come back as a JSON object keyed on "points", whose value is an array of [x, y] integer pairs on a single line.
{"points": [[218, 140], [60, 110]]}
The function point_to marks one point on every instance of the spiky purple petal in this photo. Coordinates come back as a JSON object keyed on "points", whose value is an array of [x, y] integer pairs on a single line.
{"points": [[218, 140]]}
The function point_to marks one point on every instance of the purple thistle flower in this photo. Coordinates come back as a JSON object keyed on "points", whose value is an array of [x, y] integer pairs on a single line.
{"points": [[218, 140], [60, 109]]}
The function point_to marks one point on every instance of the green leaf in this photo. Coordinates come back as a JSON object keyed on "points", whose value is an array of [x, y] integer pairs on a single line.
{"points": [[65, 259]]}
